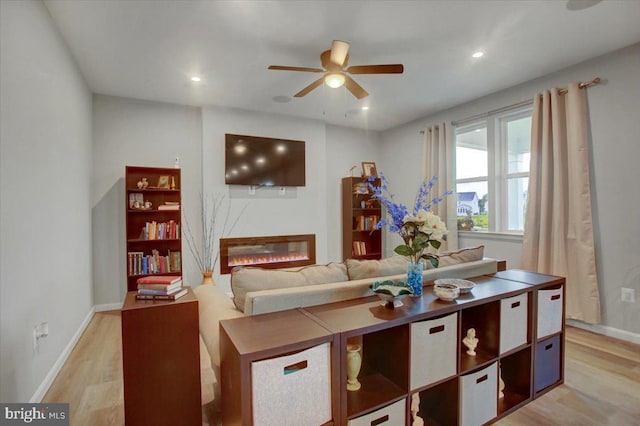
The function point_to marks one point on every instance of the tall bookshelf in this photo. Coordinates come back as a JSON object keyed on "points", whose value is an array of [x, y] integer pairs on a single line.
{"points": [[154, 240], [360, 214]]}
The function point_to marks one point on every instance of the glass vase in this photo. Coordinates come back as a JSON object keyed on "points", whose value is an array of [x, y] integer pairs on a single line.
{"points": [[414, 277]]}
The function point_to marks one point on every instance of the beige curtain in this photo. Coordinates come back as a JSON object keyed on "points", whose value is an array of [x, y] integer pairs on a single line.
{"points": [[438, 161], [558, 235]]}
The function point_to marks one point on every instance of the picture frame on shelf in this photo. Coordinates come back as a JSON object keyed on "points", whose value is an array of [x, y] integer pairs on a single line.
{"points": [[136, 200], [369, 169], [163, 182]]}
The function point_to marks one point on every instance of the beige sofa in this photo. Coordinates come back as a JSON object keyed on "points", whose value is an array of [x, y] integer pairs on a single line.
{"points": [[259, 291]]}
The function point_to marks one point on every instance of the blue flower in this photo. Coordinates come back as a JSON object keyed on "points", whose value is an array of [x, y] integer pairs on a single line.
{"points": [[400, 222]]}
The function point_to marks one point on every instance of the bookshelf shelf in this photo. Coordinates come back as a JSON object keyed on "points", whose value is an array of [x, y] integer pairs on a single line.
{"points": [[360, 213], [160, 255]]}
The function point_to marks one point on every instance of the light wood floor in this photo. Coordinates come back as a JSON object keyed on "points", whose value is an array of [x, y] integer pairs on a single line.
{"points": [[602, 381]]}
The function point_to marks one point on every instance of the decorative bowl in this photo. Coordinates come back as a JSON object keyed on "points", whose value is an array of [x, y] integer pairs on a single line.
{"points": [[465, 286], [391, 293], [446, 292]]}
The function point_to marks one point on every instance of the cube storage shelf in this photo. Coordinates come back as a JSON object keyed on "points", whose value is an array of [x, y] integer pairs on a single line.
{"points": [[413, 359]]}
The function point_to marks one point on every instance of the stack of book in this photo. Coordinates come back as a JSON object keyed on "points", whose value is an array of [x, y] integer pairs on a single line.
{"points": [[160, 287]]}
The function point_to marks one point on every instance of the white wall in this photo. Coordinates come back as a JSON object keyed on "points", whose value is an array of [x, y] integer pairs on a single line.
{"points": [[615, 128], [346, 147], [137, 133], [45, 206], [301, 210]]}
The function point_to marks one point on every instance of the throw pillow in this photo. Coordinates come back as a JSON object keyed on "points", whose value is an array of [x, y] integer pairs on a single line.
{"points": [[464, 255], [360, 269]]}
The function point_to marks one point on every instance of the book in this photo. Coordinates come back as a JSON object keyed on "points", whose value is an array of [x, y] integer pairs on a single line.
{"points": [[159, 279], [169, 207], [163, 287], [174, 296], [159, 292]]}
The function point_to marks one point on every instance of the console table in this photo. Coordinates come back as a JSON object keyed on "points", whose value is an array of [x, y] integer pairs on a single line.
{"points": [[413, 359], [161, 361]]}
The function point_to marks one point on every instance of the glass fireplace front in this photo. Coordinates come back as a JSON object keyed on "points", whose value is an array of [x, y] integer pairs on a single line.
{"points": [[283, 251]]}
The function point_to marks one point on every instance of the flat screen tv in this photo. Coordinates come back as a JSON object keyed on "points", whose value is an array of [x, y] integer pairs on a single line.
{"points": [[258, 161]]}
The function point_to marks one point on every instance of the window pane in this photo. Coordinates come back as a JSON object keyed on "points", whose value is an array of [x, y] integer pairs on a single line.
{"points": [[473, 206], [471, 152], [516, 200], [518, 144]]}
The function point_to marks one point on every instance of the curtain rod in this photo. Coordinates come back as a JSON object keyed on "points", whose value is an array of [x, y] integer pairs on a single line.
{"points": [[582, 85]]}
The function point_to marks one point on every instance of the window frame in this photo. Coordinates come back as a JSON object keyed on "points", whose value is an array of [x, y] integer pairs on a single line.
{"points": [[498, 175]]}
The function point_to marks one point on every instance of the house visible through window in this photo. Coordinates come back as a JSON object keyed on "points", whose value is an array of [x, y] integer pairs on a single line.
{"points": [[492, 171]]}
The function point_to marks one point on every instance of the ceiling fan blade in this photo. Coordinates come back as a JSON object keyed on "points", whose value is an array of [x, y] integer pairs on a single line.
{"points": [[303, 69], [355, 88], [339, 50], [376, 69], [309, 88]]}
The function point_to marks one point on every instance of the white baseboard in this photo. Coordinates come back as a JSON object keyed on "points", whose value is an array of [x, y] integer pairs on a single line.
{"points": [[108, 307], [57, 366], [607, 331]]}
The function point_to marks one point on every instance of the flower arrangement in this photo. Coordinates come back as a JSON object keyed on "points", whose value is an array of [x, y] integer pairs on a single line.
{"points": [[419, 228]]}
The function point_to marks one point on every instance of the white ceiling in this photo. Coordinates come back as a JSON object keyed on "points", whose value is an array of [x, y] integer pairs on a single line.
{"points": [[149, 49]]}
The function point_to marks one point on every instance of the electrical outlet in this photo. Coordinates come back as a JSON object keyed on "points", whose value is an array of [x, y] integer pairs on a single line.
{"points": [[628, 295]]}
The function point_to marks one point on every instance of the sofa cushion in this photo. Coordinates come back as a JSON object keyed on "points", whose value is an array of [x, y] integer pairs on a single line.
{"points": [[360, 269], [464, 255], [244, 279], [322, 274]]}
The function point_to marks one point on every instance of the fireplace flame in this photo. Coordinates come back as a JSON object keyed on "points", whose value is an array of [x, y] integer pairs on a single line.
{"points": [[244, 260]]}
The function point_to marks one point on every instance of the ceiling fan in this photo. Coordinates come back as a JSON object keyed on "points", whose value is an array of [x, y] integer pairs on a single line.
{"points": [[335, 75]]}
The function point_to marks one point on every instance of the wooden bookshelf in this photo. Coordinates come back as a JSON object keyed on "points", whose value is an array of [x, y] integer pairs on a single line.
{"points": [[154, 236], [360, 214]]}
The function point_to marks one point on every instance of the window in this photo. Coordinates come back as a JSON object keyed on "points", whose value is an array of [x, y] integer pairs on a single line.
{"points": [[492, 171]]}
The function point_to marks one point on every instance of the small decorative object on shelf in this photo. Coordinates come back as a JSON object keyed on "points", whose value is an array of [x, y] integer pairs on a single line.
{"points": [[143, 183], [173, 183], [445, 291], [354, 362], [415, 408], [471, 342], [500, 385], [391, 292], [147, 204]]}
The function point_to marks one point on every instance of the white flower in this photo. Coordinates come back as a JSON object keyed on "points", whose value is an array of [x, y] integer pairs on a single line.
{"points": [[431, 225]]}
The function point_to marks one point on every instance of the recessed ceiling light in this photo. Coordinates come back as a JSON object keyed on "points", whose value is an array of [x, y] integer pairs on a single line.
{"points": [[260, 160], [240, 149], [478, 54], [196, 79], [281, 148], [365, 108]]}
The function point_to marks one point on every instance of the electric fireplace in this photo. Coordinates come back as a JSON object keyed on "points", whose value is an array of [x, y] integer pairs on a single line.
{"points": [[282, 251]]}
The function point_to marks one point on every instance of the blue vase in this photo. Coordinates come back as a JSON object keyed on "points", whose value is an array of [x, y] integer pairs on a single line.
{"points": [[414, 277]]}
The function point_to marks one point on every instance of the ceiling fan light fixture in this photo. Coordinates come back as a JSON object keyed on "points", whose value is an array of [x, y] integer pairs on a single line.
{"points": [[334, 80]]}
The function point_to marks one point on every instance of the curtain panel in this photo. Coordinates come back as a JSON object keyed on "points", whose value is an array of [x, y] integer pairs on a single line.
{"points": [[439, 160], [558, 236]]}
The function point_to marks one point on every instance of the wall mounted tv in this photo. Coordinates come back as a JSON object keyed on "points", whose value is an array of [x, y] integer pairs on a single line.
{"points": [[258, 161]]}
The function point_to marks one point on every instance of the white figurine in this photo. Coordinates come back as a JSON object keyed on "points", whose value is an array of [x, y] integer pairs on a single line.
{"points": [[471, 341]]}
